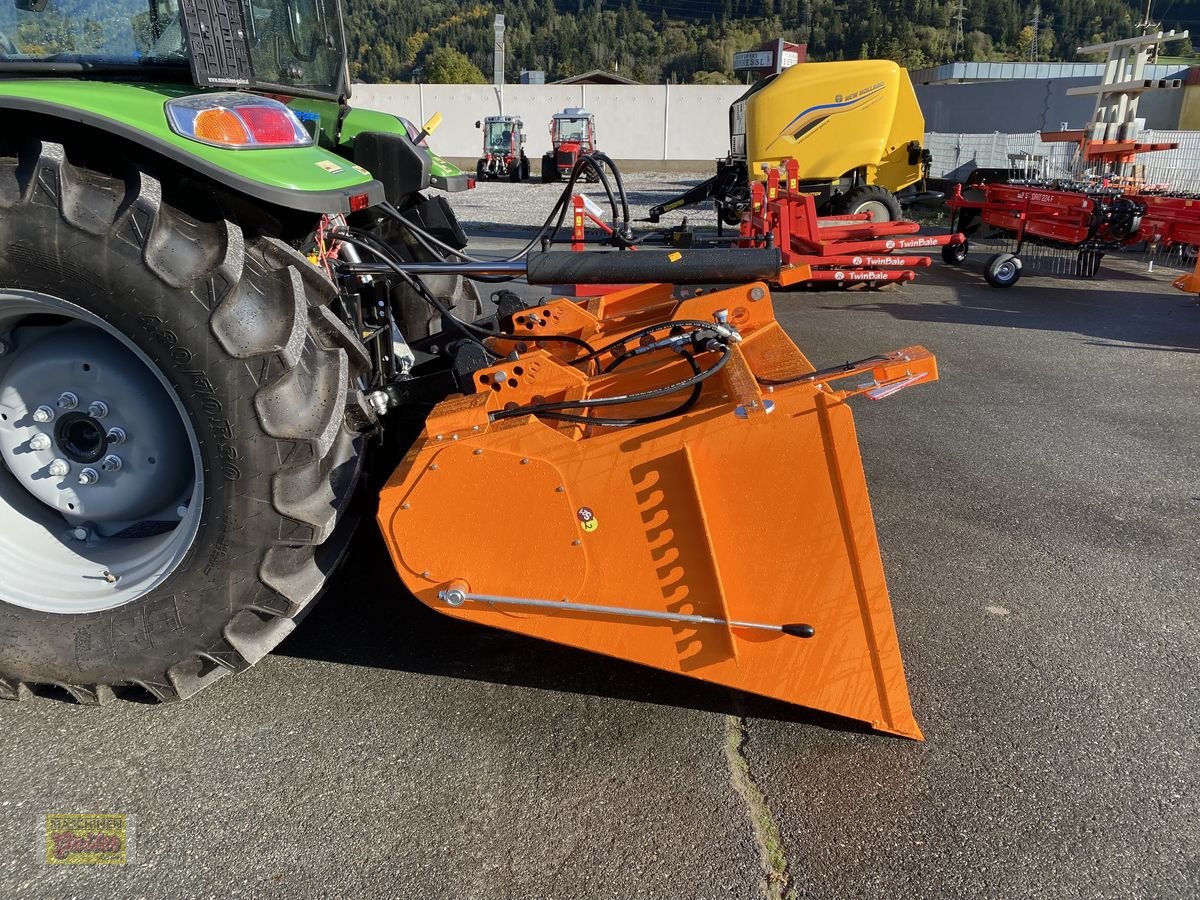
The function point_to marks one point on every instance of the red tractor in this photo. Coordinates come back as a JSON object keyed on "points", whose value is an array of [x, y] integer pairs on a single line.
{"points": [[572, 134], [503, 149]]}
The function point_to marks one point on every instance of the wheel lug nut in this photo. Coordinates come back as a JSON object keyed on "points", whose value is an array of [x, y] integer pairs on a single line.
{"points": [[88, 476], [39, 442], [181, 510], [4, 347], [67, 400], [111, 463], [43, 414], [58, 468], [98, 409], [116, 435], [80, 533]]}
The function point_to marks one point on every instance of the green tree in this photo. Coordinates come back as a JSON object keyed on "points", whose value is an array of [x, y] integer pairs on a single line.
{"points": [[445, 65]]}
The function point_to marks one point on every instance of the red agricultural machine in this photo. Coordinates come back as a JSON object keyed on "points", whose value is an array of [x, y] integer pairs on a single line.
{"points": [[816, 251], [1088, 221], [572, 135], [503, 150]]}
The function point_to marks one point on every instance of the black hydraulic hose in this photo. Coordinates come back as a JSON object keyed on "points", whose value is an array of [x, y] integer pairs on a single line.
{"points": [[368, 243], [634, 420], [619, 399]]}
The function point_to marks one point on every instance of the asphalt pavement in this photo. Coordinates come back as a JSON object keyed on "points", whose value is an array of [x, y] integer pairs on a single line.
{"points": [[1039, 516]]}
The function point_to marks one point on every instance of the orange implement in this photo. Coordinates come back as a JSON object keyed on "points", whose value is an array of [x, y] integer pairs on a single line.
{"points": [[729, 539]]}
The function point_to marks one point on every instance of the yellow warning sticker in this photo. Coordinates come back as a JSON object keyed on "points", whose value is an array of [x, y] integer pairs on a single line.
{"points": [[675, 257], [329, 166]]}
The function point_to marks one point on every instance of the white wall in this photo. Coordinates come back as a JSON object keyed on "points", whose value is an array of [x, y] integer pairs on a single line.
{"points": [[650, 122]]}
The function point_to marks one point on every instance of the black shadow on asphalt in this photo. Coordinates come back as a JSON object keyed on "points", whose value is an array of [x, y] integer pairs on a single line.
{"points": [[1167, 321], [367, 618]]}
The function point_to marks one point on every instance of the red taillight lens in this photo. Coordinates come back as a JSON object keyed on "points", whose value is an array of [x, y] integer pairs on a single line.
{"points": [[269, 125], [359, 202]]}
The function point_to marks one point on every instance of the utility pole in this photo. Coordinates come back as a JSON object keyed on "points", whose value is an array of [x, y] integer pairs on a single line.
{"points": [[498, 60], [959, 11]]}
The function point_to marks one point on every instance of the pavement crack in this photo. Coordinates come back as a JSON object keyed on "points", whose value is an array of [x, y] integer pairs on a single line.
{"points": [[777, 881]]}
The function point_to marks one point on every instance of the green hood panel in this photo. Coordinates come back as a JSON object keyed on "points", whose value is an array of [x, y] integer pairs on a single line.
{"points": [[306, 178], [444, 175]]}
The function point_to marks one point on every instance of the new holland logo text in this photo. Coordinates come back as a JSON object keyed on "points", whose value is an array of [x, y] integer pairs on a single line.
{"points": [[810, 118]]}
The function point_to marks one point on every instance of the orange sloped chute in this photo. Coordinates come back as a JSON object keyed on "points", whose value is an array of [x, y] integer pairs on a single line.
{"points": [[729, 539]]}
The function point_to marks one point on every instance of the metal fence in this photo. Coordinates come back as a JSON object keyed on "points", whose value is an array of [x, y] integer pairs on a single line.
{"points": [[956, 155]]}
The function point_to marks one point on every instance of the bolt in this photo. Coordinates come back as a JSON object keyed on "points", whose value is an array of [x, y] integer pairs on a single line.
{"points": [[110, 577], [111, 463], [80, 533], [560, 489], [721, 316], [43, 414], [58, 468], [405, 506], [525, 461], [500, 376], [477, 452], [39, 442], [378, 401], [181, 510], [88, 476], [98, 409], [116, 435], [67, 400], [757, 293]]}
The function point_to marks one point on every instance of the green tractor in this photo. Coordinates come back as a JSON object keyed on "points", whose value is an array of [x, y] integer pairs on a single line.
{"points": [[186, 393], [221, 287]]}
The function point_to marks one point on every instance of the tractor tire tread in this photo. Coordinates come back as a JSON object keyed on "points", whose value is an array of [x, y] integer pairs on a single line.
{"points": [[268, 307]]}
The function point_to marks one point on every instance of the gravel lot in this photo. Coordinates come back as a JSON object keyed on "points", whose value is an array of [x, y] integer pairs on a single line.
{"points": [[1037, 511], [495, 206]]}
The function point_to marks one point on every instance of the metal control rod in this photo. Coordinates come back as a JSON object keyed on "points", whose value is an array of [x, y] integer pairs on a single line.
{"points": [[647, 266], [456, 597]]}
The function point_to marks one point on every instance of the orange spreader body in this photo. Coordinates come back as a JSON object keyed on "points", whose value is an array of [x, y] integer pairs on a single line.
{"points": [[750, 507]]}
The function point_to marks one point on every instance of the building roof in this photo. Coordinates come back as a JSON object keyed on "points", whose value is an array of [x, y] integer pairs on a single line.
{"points": [[597, 76], [951, 73]]}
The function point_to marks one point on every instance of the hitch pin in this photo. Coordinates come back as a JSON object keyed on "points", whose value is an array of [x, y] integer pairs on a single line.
{"points": [[457, 597]]}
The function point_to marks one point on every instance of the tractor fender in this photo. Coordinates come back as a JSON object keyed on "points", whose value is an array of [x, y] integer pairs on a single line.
{"points": [[305, 179]]}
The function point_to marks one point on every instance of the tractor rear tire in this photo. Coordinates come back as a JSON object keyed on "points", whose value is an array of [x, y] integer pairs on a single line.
{"points": [[514, 171], [871, 198], [230, 355]]}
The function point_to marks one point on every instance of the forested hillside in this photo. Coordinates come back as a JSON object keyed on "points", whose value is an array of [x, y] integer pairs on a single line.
{"points": [[694, 40]]}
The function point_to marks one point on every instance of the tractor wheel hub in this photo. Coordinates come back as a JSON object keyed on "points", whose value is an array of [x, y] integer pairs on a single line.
{"points": [[117, 471]]}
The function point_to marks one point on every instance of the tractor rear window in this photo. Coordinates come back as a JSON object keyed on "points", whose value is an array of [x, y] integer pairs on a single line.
{"points": [[112, 32], [499, 135], [290, 43], [572, 129]]}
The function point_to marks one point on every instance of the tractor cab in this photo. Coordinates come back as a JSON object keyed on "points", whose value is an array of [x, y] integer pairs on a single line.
{"points": [[572, 134], [503, 149]]}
